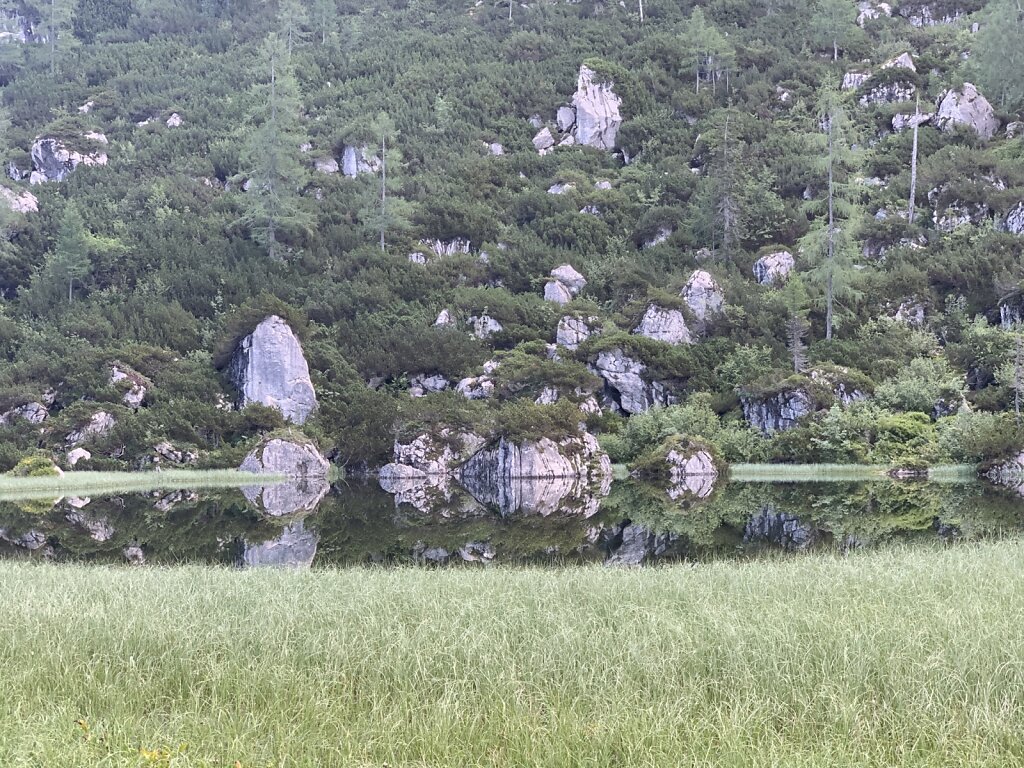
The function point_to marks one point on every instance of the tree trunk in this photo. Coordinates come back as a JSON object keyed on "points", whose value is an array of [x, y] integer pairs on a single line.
{"points": [[641, 11], [913, 165], [829, 288], [383, 187]]}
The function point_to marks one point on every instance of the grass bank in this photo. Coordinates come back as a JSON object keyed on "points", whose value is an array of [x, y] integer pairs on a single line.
{"points": [[909, 657], [830, 473], [81, 483]]}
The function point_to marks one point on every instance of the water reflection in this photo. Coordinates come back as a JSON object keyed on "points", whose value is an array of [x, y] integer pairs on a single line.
{"points": [[549, 522]]}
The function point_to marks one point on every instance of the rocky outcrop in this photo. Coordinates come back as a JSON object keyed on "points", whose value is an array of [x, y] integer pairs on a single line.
{"points": [[901, 122], [666, 325], [174, 121], [659, 237], [893, 92], [573, 331], [422, 385], [426, 454], [326, 165], [16, 29], [475, 387], [626, 385], [295, 547], [565, 284], [33, 413], [1013, 222], [53, 159], [356, 161], [269, 368], [444, 319], [133, 384], [484, 326], [99, 425], [773, 268], [573, 457], [959, 214], [167, 451], [854, 80], [593, 120], [868, 10], [291, 458], [1008, 473], [930, 14], [703, 296], [598, 116], [967, 107], [20, 202], [776, 412]]}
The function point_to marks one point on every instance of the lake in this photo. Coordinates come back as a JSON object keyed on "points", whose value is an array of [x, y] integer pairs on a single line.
{"points": [[555, 522]]}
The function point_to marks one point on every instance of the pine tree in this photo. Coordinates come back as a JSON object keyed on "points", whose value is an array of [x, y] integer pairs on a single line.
{"points": [[998, 53], [833, 24], [830, 238], [709, 53], [386, 213], [64, 266], [325, 17], [292, 20], [57, 22], [272, 157]]}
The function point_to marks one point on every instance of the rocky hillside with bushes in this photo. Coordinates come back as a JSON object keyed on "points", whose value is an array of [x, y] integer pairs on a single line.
{"points": [[789, 231]]}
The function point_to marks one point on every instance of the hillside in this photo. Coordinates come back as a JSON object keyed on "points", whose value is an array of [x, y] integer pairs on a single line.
{"points": [[180, 170]]}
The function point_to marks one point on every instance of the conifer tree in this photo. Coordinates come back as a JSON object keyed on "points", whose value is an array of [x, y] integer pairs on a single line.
{"points": [[292, 19], [833, 23], [272, 157], [830, 240], [998, 53]]}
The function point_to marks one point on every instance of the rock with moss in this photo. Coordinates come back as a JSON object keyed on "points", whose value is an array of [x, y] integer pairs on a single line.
{"points": [[292, 456], [777, 411], [689, 467], [36, 466], [54, 158], [33, 413], [431, 454], [99, 425], [627, 386]]}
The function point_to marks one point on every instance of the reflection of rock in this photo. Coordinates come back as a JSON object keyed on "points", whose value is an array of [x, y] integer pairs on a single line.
{"points": [[294, 548], [292, 497], [632, 544], [692, 472], [30, 540], [98, 528], [573, 457], [780, 529]]}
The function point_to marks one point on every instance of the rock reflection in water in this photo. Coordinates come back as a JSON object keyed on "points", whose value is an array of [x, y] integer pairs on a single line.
{"points": [[295, 547], [786, 531], [294, 496]]}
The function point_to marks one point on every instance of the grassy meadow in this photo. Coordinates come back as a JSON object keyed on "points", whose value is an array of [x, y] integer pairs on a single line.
{"points": [[99, 483], [902, 657]]}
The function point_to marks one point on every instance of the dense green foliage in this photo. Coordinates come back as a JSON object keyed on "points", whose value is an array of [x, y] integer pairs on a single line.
{"points": [[160, 260]]}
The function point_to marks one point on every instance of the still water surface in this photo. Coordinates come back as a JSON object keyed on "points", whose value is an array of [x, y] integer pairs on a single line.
{"points": [[553, 523]]}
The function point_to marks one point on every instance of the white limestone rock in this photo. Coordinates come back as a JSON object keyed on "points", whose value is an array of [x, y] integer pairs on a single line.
{"points": [[667, 325], [969, 108], [598, 116], [773, 268], [269, 368]]}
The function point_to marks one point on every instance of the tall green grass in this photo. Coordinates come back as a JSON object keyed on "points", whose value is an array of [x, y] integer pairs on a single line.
{"points": [[893, 658], [20, 488]]}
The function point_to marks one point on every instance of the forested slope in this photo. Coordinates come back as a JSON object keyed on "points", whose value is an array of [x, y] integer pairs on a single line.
{"points": [[229, 162]]}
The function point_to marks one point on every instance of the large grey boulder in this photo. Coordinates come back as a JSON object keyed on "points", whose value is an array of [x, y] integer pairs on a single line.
{"points": [[703, 296], [131, 383], [774, 268], [303, 466], [776, 412], [577, 456], [626, 385], [969, 108], [666, 325], [291, 458], [598, 116], [269, 368], [565, 284], [295, 547], [53, 159], [356, 161]]}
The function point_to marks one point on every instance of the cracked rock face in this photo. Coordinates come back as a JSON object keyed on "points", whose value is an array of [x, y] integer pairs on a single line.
{"points": [[53, 160], [33, 413], [356, 161], [294, 548], [703, 296], [269, 368], [99, 425], [774, 268], [692, 473], [969, 108], [305, 469], [778, 412], [667, 325], [598, 116], [1014, 220], [20, 202], [571, 332], [625, 383]]}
